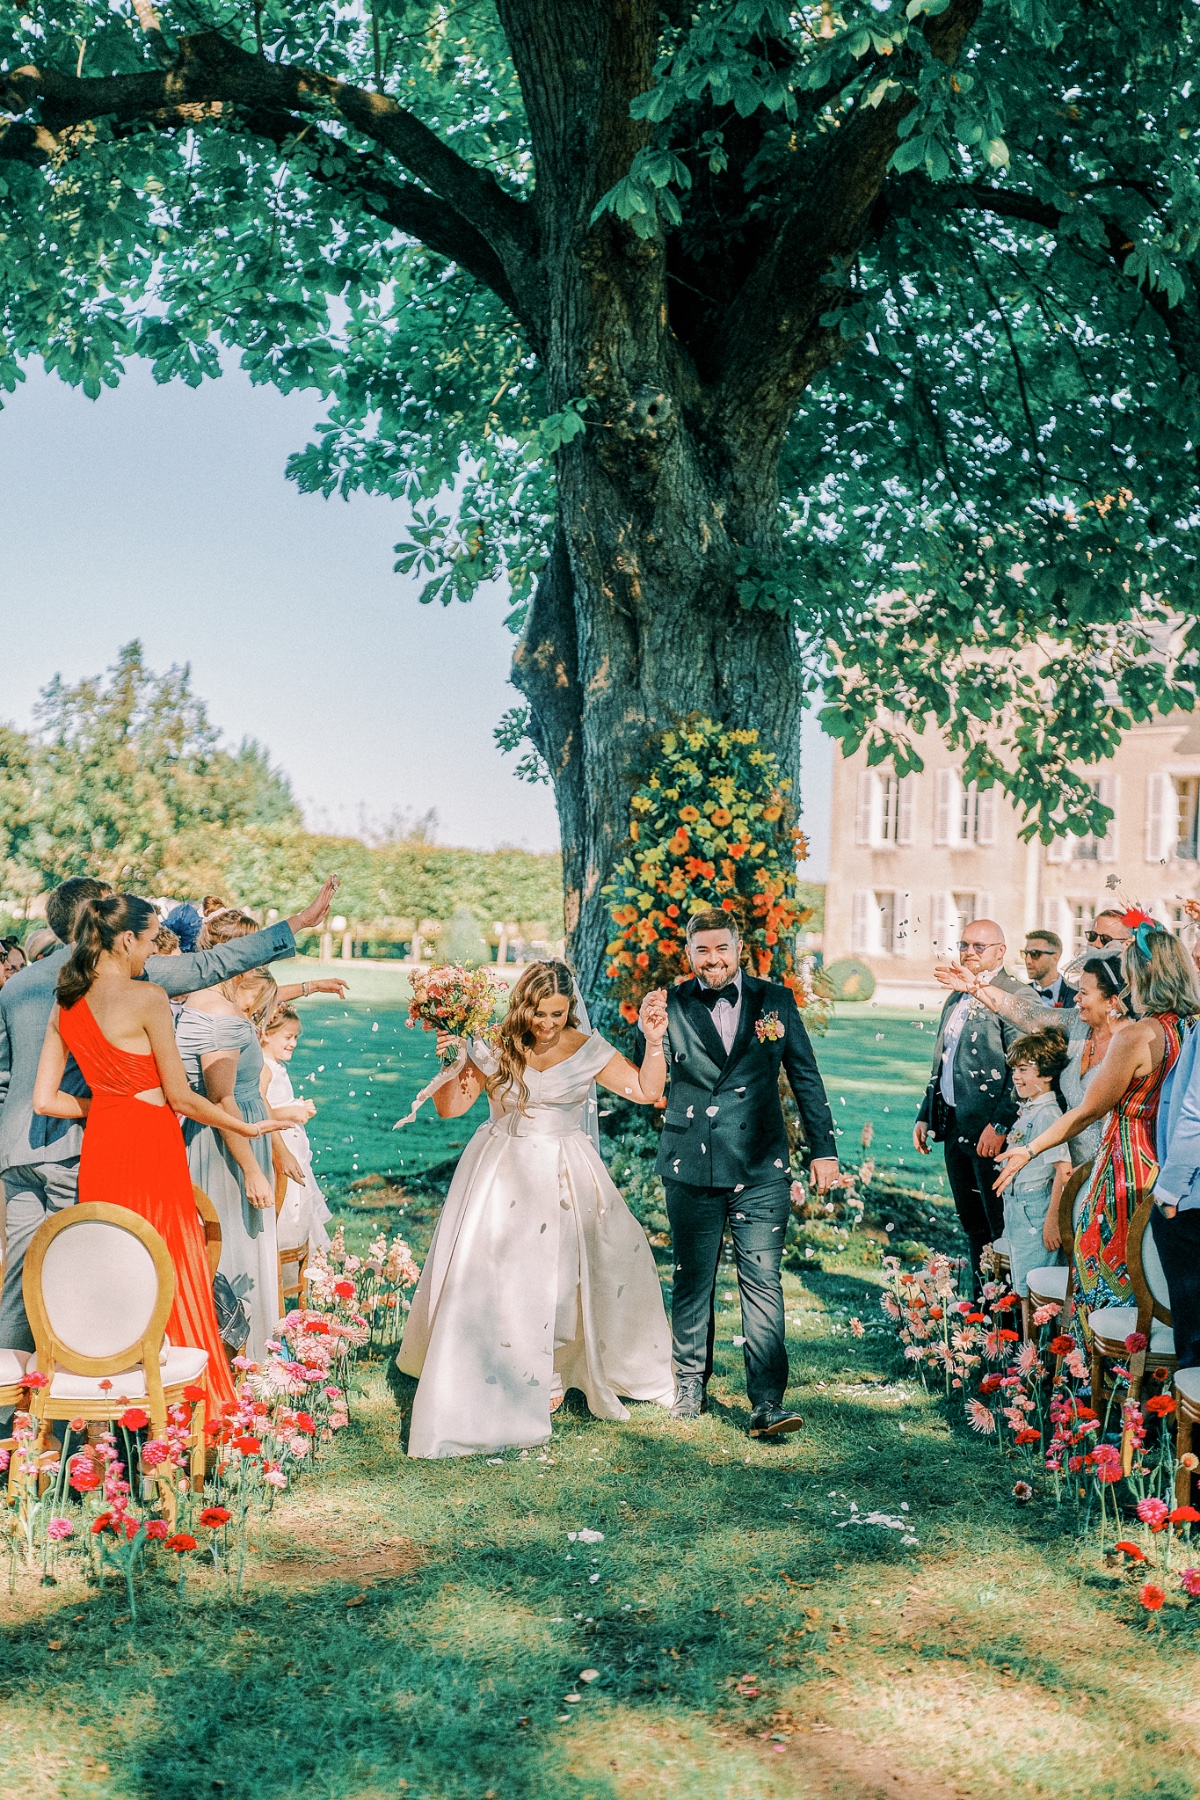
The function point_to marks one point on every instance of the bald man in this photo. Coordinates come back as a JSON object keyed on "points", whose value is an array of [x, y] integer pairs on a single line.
{"points": [[970, 1104]]}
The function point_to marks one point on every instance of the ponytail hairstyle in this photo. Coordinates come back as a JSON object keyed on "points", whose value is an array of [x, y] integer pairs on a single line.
{"points": [[514, 1035], [223, 925], [99, 922]]}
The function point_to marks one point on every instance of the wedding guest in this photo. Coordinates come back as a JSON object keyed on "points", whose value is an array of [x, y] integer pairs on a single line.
{"points": [[217, 1035], [12, 958], [118, 1029], [226, 924], [40, 943], [167, 943], [39, 1157], [723, 1157], [185, 922], [1031, 1203], [969, 1104], [300, 1219], [1163, 991], [1041, 958], [1089, 1024], [1176, 1218]]}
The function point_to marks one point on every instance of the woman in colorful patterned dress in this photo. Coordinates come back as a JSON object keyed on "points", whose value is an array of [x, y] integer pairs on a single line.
{"points": [[1163, 992]]}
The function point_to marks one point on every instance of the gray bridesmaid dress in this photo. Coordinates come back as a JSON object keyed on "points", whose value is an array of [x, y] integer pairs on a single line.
{"points": [[249, 1258]]}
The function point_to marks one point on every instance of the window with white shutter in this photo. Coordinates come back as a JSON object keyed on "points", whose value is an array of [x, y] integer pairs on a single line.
{"points": [[945, 925], [908, 800], [861, 921], [902, 932], [984, 906], [985, 816], [1058, 850], [862, 817], [947, 810], [1161, 817]]}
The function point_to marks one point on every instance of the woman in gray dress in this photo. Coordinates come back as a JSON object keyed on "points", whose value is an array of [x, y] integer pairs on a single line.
{"points": [[218, 1040]]}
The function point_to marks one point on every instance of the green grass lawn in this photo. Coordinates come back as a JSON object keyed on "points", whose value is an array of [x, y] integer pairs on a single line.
{"points": [[416, 1629]]}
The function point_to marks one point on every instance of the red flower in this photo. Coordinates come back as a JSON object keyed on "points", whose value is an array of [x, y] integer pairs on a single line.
{"points": [[305, 1422], [1027, 1435], [157, 1529], [1185, 1515], [212, 1516], [975, 1318], [990, 1383], [33, 1380], [1062, 1345], [1151, 1597], [103, 1523], [1189, 1580], [83, 1474], [179, 1543], [1160, 1405], [249, 1446], [1009, 1337], [193, 1392], [1131, 1550], [135, 1419], [1137, 1340]]}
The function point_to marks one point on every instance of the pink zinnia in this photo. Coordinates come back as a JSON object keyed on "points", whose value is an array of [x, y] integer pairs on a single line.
{"points": [[1189, 1580], [1153, 1512]]}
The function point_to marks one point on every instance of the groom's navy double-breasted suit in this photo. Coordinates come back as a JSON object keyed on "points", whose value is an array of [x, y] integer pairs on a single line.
{"points": [[723, 1158]]}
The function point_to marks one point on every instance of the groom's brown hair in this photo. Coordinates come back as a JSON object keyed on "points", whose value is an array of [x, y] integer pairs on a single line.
{"points": [[713, 920]]}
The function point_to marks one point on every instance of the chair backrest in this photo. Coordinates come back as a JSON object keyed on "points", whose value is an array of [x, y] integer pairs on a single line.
{"points": [[98, 1286], [1145, 1269], [210, 1219], [1066, 1207]]}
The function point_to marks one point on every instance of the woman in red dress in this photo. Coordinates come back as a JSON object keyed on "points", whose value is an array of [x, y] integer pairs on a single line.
{"points": [[120, 1031]]}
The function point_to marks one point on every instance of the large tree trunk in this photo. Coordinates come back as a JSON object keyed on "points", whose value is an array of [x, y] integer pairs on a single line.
{"points": [[635, 624]]}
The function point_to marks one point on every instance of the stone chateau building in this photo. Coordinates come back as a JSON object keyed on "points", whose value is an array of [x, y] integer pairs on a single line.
{"points": [[912, 859]]}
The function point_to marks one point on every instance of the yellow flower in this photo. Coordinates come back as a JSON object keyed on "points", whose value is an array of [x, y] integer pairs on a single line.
{"points": [[642, 803], [688, 814]]}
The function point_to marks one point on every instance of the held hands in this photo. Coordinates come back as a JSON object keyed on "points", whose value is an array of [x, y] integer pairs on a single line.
{"points": [[313, 914], [652, 1017]]}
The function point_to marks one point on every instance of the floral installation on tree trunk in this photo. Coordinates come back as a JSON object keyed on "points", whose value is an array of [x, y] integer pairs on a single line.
{"points": [[712, 825]]}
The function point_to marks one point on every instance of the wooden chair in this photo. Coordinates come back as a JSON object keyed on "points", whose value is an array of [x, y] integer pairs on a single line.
{"points": [[99, 1286], [1187, 1414], [1111, 1325], [1001, 1260], [211, 1221], [1055, 1284]]}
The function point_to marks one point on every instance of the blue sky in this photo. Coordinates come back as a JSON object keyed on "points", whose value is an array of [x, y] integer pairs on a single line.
{"points": [[163, 513]]}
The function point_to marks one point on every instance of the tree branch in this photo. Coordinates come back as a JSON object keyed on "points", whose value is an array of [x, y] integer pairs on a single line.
{"points": [[771, 343], [208, 69]]}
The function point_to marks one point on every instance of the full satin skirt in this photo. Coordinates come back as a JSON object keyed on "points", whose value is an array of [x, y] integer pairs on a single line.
{"points": [[537, 1267], [133, 1156]]}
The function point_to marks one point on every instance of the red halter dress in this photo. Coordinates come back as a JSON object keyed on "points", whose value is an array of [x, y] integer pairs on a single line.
{"points": [[133, 1156]]}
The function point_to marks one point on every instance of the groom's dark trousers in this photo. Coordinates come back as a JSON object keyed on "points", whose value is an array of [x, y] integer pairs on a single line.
{"points": [[723, 1158]]}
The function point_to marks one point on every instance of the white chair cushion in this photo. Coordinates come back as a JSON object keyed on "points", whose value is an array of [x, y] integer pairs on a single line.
{"points": [[1001, 1247], [99, 1286], [1152, 1269], [1050, 1283], [1115, 1323], [179, 1367], [1187, 1383], [13, 1364]]}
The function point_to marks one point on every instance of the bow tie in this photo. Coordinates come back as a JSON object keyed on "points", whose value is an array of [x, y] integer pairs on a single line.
{"points": [[712, 997], [1047, 993]]}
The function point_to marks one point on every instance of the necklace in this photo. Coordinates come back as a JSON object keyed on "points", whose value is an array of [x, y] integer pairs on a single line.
{"points": [[1091, 1056]]}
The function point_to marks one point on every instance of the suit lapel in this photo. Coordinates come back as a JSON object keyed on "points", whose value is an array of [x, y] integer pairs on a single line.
{"points": [[752, 999], [701, 1022]]}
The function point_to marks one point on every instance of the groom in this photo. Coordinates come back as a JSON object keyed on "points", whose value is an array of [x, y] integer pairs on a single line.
{"points": [[723, 1158]]}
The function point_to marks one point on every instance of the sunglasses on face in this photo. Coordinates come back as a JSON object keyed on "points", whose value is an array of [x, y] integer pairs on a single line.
{"points": [[1036, 955], [1100, 937], [973, 944]]}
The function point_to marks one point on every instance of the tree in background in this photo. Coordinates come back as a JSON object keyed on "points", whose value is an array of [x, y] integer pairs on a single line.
{"points": [[753, 335]]}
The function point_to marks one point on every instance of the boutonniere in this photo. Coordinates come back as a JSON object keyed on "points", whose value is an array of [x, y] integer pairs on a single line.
{"points": [[769, 1028]]}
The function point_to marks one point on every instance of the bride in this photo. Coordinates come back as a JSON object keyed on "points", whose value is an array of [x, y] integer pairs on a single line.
{"points": [[538, 1278]]}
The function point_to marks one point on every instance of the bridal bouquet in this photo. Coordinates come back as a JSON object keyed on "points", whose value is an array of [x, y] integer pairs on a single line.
{"points": [[453, 999]]}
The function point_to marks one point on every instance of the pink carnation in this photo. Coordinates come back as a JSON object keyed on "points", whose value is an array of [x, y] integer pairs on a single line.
{"points": [[1152, 1512]]}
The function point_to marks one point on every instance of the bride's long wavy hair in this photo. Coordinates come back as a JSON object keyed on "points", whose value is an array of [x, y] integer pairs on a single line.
{"points": [[514, 1036]]}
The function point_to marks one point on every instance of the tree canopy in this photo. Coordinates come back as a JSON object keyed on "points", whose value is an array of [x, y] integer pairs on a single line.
{"points": [[865, 333]]}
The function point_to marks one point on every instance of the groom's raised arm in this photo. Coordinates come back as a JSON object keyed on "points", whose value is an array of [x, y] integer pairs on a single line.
{"points": [[197, 969], [804, 1078]]}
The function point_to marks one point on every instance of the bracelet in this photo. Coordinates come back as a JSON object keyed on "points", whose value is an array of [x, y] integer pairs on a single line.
{"points": [[304, 990]]}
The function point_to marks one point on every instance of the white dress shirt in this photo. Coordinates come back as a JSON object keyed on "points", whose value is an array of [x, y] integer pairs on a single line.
{"points": [[726, 1013], [950, 1036]]}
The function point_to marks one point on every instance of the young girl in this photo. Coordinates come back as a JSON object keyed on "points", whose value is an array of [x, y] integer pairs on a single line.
{"points": [[1031, 1203], [301, 1217]]}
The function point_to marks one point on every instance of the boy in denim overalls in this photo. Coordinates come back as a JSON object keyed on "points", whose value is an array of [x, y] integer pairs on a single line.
{"points": [[1031, 1203]]}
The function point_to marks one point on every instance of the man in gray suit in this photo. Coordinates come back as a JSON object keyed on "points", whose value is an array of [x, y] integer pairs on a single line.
{"points": [[39, 1157]]}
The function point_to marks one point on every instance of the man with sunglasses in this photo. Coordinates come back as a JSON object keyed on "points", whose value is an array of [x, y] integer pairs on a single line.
{"points": [[970, 1103], [1040, 956], [1108, 928]]}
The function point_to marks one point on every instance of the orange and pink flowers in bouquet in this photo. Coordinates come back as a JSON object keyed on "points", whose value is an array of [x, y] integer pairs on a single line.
{"points": [[452, 998]]}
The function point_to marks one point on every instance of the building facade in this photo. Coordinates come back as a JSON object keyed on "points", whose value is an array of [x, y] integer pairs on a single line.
{"points": [[913, 858]]}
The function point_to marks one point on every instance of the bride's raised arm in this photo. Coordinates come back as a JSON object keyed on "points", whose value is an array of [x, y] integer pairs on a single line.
{"points": [[645, 1085], [459, 1094]]}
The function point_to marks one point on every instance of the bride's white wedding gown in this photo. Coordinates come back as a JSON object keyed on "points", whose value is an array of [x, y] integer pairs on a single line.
{"points": [[537, 1266]]}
